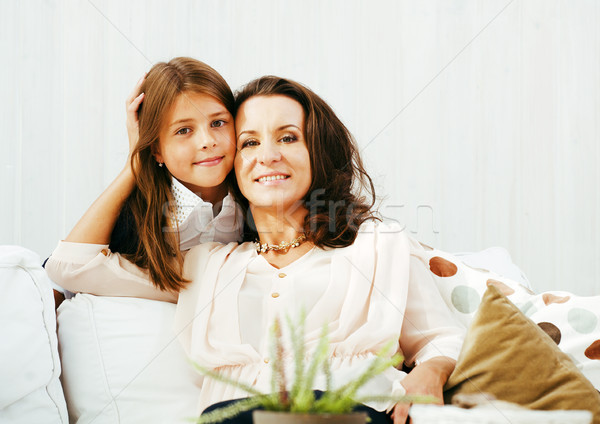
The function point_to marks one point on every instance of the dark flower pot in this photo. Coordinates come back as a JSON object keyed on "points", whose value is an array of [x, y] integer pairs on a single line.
{"points": [[271, 417]]}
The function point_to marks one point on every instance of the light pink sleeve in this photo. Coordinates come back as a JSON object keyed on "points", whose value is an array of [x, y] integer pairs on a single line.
{"points": [[429, 328], [94, 269]]}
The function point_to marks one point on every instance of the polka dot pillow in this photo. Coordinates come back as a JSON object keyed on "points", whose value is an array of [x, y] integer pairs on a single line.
{"points": [[573, 322]]}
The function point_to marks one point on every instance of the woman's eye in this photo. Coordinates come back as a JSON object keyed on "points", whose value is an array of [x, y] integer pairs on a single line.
{"points": [[249, 143], [183, 131], [217, 124], [289, 138]]}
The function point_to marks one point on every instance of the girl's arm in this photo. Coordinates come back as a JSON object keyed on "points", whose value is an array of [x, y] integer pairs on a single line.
{"points": [[97, 224], [93, 268], [83, 262]]}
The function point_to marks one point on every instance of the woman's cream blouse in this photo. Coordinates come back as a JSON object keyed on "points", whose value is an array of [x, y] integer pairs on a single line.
{"points": [[372, 292]]}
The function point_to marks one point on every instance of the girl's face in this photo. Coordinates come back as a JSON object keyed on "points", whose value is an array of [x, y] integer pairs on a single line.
{"points": [[197, 141], [273, 164]]}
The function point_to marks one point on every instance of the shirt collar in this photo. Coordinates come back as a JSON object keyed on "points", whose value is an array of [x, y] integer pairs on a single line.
{"points": [[185, 202], [195, 221]]}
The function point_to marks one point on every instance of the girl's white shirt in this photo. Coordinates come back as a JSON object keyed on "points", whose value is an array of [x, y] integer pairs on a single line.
{"points": [[195, 220]]}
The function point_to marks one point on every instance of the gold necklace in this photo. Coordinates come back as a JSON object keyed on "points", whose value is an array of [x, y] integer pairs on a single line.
{"points": [[281, 247]]}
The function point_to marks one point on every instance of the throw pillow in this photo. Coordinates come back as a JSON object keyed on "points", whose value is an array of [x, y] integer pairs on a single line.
{"points": [[509, 356]]}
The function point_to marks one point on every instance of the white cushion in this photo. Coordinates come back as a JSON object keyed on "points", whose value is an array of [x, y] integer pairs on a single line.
{"points": [[30, 390], [434, 414], [497, 260], [123, 363]]}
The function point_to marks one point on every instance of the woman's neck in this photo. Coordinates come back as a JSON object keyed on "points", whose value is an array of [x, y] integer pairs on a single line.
{"points": [[277, 224]]}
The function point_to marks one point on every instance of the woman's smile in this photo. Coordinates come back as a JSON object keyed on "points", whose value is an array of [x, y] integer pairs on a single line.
{"points": [[271, 179]]}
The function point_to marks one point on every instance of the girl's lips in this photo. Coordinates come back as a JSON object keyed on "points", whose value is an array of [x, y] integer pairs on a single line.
{"points": [[210, 161]]}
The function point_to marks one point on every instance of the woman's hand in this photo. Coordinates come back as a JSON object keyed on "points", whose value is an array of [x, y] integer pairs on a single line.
{"points": [[132, 105], [427, 379]]}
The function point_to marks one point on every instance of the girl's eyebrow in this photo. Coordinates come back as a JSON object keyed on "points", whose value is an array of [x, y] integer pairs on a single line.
{"points": [[181, 121], [218, 113], [211, 116]]}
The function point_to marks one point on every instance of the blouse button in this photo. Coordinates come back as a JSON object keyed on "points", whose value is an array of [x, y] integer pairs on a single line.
{"points": [[275, 295], [266, 360], [104, 252], [282, 275]]}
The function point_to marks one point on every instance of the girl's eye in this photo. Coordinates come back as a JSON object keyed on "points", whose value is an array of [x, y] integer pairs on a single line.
{"points": [[249, 143], [217, 124], [289, 138], [183, 131]]}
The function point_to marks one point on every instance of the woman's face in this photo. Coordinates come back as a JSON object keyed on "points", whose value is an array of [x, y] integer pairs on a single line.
{"points": [[272, 165], [197, 141]]}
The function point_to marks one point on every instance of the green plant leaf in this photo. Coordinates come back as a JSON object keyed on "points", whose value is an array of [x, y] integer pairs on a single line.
{"points": [[301, 398], [230, 411], [398, 399], [341, 400], [278, 375], [305, 396], [218, 377], [297, 338]]}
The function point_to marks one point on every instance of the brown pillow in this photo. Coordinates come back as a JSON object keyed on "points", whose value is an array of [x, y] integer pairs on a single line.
{"points": [[508, 355]]}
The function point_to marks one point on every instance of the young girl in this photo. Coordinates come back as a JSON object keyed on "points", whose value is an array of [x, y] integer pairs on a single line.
{"points": [[173, 192]]}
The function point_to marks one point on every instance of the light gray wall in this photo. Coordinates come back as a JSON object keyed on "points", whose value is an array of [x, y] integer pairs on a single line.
{"points": [[478, 119]]}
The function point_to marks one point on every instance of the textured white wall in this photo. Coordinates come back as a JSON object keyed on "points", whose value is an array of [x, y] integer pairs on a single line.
{"points": [[478, 119]]}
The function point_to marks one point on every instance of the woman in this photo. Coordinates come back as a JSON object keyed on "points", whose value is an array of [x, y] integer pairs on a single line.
{"points": [[173, 192], [296, 168], [319, 250]]}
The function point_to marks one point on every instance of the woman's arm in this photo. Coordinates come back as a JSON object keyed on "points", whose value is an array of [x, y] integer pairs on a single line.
{"points": [[431, 338], [96, 225], [428, 378]]}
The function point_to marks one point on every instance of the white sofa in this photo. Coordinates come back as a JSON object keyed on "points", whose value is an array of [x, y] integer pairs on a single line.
{"points": [[30, 389], [121, 361]]}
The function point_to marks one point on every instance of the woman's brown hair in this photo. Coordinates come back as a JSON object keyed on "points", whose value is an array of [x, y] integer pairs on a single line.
{"points": [[342, 194], [149, 240]]}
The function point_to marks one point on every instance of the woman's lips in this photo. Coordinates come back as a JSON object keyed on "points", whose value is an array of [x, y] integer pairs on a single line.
{"points": [[272, 179], [210, 161]]}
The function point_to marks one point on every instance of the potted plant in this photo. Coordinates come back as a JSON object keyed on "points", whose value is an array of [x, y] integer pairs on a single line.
{"points": [[299, 404]]}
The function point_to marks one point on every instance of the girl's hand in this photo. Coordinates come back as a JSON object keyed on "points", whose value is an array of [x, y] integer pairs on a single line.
{"points": [[427, 379], [132, 105]]}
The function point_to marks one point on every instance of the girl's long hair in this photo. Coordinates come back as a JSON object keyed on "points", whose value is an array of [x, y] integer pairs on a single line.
{"points": [[342, 194], [143, 233]]}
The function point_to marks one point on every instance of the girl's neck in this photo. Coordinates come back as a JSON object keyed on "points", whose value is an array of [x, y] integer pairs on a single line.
{"points": [[213, 195]]}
